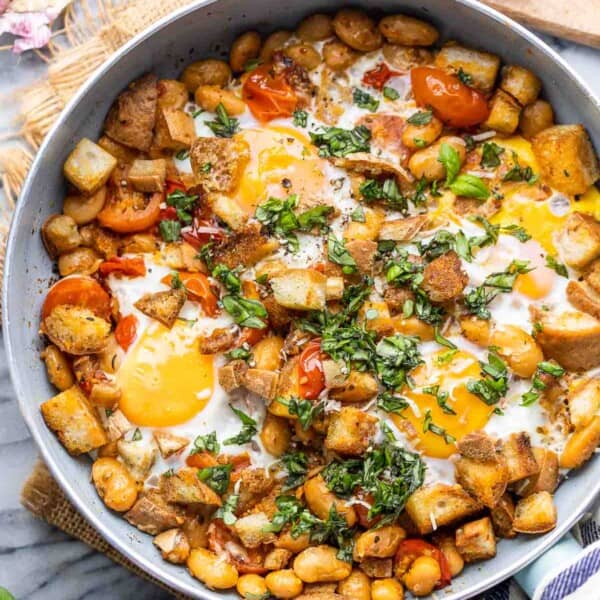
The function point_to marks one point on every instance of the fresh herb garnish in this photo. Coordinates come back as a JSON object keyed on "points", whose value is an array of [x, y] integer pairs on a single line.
{"points": [[223, 125], [464, 77], [240, 353], [494, 384], [338, 254], [423, 117], [249, 429], [182, 154], [387, 192], [390, 93], [206, 443], [395, 356], [335, 141], [392, 404], [137, 435], [245, 312], [358, 215], [470, 186], [305, 410], [441, 398], [300, 118], [450, 158], [538, 385], [183, 204], [251, 64], [556, 266], [217, 478], [227, 511], [170, 231], [490, 155], [519, 173], [228, 277], [429, 425], [296, 464], [364, 100]]}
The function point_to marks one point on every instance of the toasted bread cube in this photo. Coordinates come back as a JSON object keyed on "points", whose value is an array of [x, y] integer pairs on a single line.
{"points": [[481, 66], [503, 515], [357, 387], [335, 373], [262, 382], [567, 158], [369, 229], [137, 456], [74, 420], [579, 240], [547, 478], [584, 298], [231, 375], [444, 278], [403, 230], [184, 487], [584, 402], [363, 252], [174, 130], [228, 210], [517, 452], [479, 446], [350, 431], [88, 167], [476, 540], [581, 445], [148, 175], [376, 317], [521, 84], [334, 288], [172, 94], [162, 306], [117, 425], [300, 289], [168, 443], [535, 118], [287, 387], [251, 530], [535, 514], [504, 113], [486, 481], [246, 246], [152, 514], [439, 504]]}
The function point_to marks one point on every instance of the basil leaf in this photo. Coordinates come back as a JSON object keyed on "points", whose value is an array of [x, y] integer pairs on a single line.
{"points": [[450, 158], [364, 100], [470, 186], [170, 231], [490, 155], [300, 118], [422, 117], [245, 312], [206, 443], [390, 93], [223, 125], [337, 253], [217, 478], [249, 429], [335, 141]]}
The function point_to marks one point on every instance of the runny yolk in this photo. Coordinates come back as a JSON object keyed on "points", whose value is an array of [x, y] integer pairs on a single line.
{"points": [[452, 376], [164, 379]]}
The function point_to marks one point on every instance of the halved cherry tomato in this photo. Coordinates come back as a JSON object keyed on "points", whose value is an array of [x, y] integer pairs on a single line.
{"points": [[268, 96], [198, 289], [126, 331], [173, 186], [312, 378], [127, 212], [251, 336], [78, 291], [168, 214], [411, 549], [222, 541], [201, 460], [202, 234], [378, 76], [132, 267], [455, 103]]}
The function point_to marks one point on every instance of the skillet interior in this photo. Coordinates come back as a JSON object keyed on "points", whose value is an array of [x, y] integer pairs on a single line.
{"points": [[208, 28]]}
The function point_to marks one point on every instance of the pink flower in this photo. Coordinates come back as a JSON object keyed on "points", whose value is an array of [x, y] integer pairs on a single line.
{"points": [[32, 29]]}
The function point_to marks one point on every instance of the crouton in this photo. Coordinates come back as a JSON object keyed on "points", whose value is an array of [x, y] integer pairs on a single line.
{"points": [[228, 210], [535, 514], [288, 387], [535, 118], [152, 514], [579, 240], [476, 541], [566, 157], [137, 456], [350, 431], [403, 230], [367, 229], [502, 516], [103, 241], [504, 113], [123, 154], [372, 166], [184, 487], [396, 297], [437, 505], [174, 131], [231, 375], [168, 443], [117, 425], [76, 330], [581, 445], [218, 163], [279, 316], [71, 416], [334, 288], [251, 530], [173, 545], [584, 402], [132, 117], [363, 252], [521, 84], [521, 463], [172, 94], [246, 246], [478, 446], [255, 485], [481, 66], [217, 341], [357, 387], [584, 298], [572, 339], [375, 316], [162, 306], [377, 568], [148, 175], [424, 163], [88, 167], [379, 542], [546, 480], [261, 382], [276, 559], [484, 480], [300, 289], [182, 256], [444, 278]]}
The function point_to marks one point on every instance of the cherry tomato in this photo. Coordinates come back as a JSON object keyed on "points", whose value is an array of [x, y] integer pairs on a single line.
{"points": [[268, 96], [132, 267], [126, 331], [126, 211], [168, 214], [173, 186], [222, 541], [312, 378], [411, 549], [362, 512], [201, 234], [78, 291], [201, 460], [455, 103], [198, 289], [251, 336], [378, 76]]}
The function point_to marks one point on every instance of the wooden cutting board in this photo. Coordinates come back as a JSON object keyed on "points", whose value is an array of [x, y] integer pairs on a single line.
{"points": [[576, 20]]}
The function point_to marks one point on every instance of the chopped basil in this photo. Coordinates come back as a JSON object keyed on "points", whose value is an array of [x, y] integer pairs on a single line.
{"points": [[170, 231], [538, 385], [494, 383], [335, 141], [558, 267], [228, 277], [227, 511], [470, 186], [182, 154], [441, 340], [183, 204], [395, 356], [464, 77], [206, 167], [364, 100], [392, 404], [206, 443], [423, 117], [338, 254], [390, 93], [300, 118], [358, 215], [137, 435], [450, 158], [490, 155], [296, 464], [519, 173], [251, 64], [249, 429], [441, 398], [245, 312], [217, 478], [240, 353], [305, 410], [429, 425], [223, 125], [386, 192]]}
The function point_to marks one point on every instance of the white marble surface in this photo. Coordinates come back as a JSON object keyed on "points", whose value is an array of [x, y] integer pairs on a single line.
{"points": [[37, 561]]}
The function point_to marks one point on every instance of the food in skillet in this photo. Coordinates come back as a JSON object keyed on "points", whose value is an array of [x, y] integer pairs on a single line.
{"points": [[331, 328]]}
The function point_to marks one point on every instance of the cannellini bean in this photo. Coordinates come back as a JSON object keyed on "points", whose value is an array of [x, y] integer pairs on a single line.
{"points": [[114, 484], [212, 570]]}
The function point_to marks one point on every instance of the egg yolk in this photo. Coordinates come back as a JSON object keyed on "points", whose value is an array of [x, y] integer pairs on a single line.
{"points": [[451, 377], [164, 379], [282, 162], [538, 282]]}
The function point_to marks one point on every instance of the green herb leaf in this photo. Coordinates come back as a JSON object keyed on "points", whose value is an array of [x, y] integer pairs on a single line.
{"points": [[387, 192], [392, 404], [296, 464], [335, 141], [538, 385], [364, 100], [252, 64], [338, 254], [314, 217], [223, 125], [182, 154], [441, 398], [358, 215], [494, 385], [217, 478], [395, 356], [249, 429], [490, 155], [470, 186], [227, 511], [464, 77], [429, 425], [206, 167], [170, 231], [137, 435], [228, 277], [519, 173], [240, 353], [390, 93], [423, 117], [183, 203], [556, 266], [245, 312], [442, 341], [450, 158], [305, 410], [300, 118], [206, 443]]}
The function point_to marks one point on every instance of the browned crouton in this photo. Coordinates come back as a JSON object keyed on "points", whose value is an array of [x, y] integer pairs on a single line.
{"points": [[444, 278], [484, 480], [386, 133], [350, 431], [362, 162], [172, 94], [481, 66], [478, 445], [357, 387], [403, 230], [584, 401], [122, 153], [504, 113], [547, 478], [246, 246], [579, 240], [152, 514], [168, 443], [184, 487], [521, 84], [503, 515], [261, 382], [174, 130], [218, 163], [103, 241], [218, 340], [437, 505], [583, 297], [363, 252], [300, 289], [255, 484], [148, 175], [253, 531], [519, 457], [535, 514], [162, 306], [71, 416], [132, 117], [377, 568], [581, 445], [231, 375], [476, 541], [288, 387], [396, 297]]}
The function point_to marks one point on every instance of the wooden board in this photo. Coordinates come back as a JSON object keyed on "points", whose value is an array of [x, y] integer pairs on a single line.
{"points": [[576, 20]]}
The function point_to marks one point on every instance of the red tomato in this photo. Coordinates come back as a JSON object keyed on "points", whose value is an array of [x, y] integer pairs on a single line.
{"points": [[251, 336], [362, 512], [126, 331], [173, 186], [168, 214], [201, 460], [78, 291], [121, 214], [198, 289], [268, 96], [455, 103], [132, 267], [222, 541], [312, 378], [378, 76], [203, 233], [411, 549]]}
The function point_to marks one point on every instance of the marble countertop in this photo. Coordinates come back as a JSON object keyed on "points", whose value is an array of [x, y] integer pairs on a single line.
{"points": [[40, 562]]}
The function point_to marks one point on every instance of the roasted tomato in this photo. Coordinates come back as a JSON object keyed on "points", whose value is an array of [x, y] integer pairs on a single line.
{"points": [[251, 336], [201, 460], [222, 541], [132, 267], [267, 96], [78, 291], [312, 378], [173, 186], [378, 77], [126, 331], [411, 549], [453, 102], [198, 289], [127, 211]]}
